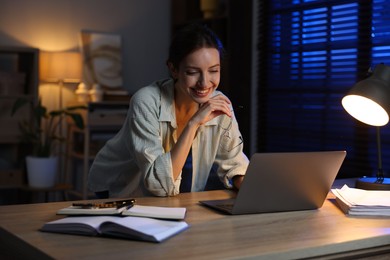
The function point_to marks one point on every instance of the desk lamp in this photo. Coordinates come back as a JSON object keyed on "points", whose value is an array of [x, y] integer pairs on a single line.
{"points": [[369, 102]]}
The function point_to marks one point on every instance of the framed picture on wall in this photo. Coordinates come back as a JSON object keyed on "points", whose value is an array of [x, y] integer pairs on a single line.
{"points": [[102, 60]]}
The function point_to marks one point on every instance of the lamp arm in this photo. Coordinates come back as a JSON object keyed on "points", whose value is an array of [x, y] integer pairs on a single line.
{"points": [[380, 174]]}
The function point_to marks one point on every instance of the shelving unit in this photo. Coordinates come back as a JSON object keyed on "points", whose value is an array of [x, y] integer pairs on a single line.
{"points": [[102, 121], [18, 79]]}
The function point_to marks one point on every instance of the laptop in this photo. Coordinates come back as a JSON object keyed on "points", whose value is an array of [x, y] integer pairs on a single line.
{"points": [[279, 182]]}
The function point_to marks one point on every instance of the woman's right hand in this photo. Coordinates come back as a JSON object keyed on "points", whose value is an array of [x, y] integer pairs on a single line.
{"points": [[215, 106]]}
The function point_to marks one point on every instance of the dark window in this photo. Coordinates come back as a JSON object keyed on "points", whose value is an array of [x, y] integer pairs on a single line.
{"points": [[316, 51]]}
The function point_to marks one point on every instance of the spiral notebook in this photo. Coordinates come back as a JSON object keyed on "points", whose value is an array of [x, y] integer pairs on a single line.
{"points": [[278, 182]]}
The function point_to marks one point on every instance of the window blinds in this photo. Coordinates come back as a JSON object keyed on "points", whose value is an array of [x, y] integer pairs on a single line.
{"points": [[317, 50]]}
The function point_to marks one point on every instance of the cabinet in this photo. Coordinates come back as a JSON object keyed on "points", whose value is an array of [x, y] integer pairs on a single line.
{"points": [[18, 79], [102, 121]]}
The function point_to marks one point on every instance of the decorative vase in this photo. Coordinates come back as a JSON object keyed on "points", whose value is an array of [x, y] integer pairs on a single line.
{"points": [[82, 93], [41, 172], [96, 93]]}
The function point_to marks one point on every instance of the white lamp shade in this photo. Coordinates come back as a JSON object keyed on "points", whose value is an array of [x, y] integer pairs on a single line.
{"points": [[365, 110], [56, 66], [369, 100]]}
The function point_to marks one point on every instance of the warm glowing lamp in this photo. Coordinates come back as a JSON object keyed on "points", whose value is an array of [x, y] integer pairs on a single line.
{"points": [[60, 67], [369, 102]]}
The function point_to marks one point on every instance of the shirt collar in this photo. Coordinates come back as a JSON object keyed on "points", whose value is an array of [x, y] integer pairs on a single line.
{"points": [[167, 110]]}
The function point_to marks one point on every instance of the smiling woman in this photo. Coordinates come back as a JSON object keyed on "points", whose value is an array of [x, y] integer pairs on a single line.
{"points": [[172, 132]]}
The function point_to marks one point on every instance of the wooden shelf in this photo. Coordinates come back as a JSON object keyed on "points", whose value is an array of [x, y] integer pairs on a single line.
{"points": [[102, 121], [18, 79]]}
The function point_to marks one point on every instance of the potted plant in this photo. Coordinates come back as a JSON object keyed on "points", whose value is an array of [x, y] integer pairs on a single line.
{"points": [[42, 134]]}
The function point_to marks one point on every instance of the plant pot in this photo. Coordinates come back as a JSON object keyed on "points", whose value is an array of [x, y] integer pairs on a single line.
{"points": [[41, 172]]}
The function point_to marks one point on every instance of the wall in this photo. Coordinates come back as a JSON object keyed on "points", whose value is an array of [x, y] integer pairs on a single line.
{"points": [[54, 25]]}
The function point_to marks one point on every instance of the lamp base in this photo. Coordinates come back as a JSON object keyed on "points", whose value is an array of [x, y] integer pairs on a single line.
{"points": [[369, 183]]}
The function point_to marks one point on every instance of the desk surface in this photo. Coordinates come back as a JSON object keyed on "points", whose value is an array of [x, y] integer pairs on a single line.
{"points": [[211, 235]]}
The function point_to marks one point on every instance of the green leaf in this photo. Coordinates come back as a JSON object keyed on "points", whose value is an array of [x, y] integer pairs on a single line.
{"points": [[41, 132], [71, 108], [77, 119], [20, 102]]}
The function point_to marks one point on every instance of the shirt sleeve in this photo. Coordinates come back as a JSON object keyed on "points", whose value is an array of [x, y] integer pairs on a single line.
{"points": [[146, 144], [230, 156]]}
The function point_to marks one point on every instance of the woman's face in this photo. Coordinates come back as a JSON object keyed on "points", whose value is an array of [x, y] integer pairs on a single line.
{"points": [[198, 74]]}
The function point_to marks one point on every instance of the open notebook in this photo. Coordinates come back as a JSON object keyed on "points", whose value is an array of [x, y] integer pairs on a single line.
{"points": [[276, 182]]}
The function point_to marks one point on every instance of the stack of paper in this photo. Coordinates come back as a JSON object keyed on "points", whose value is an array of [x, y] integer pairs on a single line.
{"points": [[357, 202]]}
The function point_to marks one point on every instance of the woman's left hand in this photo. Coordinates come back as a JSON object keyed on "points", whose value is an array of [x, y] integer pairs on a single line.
{"points": [[237, 180]]}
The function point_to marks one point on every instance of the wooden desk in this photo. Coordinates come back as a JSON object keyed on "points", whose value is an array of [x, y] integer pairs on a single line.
{"points": [[325, 233]]}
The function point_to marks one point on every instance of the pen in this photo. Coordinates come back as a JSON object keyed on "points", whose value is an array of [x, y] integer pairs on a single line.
{"points": [[110, 204]]}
